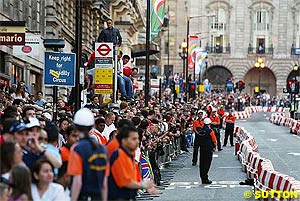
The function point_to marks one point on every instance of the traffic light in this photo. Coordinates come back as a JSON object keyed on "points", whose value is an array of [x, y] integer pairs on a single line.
{"points": [[241, 85], [292, 86], [192, 88]]}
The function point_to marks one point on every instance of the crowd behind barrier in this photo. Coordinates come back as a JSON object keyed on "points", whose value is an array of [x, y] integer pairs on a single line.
{"points": [[259, 168]]}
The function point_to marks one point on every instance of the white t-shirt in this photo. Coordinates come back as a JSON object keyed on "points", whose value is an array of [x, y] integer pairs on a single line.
{"points": [[108, 130], [55, 192]]}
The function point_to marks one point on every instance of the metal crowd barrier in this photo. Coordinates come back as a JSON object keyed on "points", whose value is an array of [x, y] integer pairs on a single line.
{"points": [[171, 151]]}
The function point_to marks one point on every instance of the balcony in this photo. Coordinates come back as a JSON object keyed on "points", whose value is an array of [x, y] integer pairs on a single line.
{"points": [[261, 50], [261, 27], [218, 49]]}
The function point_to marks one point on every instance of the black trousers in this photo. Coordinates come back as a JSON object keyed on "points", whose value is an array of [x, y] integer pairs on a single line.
{"points": [[228, 132], [206, 155], [196, 149], [218, 136]]}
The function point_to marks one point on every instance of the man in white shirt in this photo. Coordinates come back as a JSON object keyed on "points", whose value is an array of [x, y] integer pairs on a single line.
{"points": [[109, 124]]}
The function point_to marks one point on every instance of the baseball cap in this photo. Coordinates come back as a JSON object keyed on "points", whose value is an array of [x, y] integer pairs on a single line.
{"points": [[17, 127], [33, 122]]}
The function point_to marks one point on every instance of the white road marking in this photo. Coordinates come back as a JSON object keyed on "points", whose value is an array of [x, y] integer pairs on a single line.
{"points": [[295, 154], [265, 115], [229, 167], [273, 140], [267, 118], [215, 156], [262, 130], [243, 120]]}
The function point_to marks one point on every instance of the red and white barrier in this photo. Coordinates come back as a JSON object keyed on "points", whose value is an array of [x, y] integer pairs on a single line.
{"points": [[282, 119], [261, 169]]}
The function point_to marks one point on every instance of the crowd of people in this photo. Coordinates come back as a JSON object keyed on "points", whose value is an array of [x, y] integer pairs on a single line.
{"points": [[96, 153]]}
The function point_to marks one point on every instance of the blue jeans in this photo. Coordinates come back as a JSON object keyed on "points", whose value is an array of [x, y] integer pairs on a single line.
{"points": [[125, 86]]}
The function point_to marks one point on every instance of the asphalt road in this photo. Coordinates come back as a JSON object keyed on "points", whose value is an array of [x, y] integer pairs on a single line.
{"points": [[275, 143], [182, 182]]}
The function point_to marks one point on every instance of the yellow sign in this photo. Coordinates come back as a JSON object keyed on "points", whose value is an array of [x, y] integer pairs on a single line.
{"points": [[103, 81], [201, 88], [177, 88], [12, 29], [256, 89]]}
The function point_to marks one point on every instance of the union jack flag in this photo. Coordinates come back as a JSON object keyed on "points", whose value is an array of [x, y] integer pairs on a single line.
{"points": [[146, 167]]}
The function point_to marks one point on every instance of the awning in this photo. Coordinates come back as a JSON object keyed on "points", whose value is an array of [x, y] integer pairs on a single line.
{"points": [[139, 50]]}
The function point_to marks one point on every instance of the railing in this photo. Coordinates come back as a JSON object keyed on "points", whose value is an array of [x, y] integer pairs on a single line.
{"points": [[171, 151], [261, 26], [260, 50], [218, 49]]}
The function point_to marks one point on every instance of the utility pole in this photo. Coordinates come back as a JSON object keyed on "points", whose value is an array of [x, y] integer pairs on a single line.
{"points": [[78, 48], [147, 74]]}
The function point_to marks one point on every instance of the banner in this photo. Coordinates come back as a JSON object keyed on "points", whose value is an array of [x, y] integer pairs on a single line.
{"points": [[32, 47], [157, 14], [193, 43], [200, 60]]}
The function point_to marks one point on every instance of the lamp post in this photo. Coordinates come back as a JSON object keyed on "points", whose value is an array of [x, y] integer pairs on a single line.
{"points": [[295, 69], [259, 64], [183, 53]]}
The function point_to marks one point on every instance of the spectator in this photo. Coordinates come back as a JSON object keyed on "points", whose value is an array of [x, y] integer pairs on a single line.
{"points": [[113, 135], [20, 179], [28, 112], [72, 137], [94, 105], [109, 124], [62, 105], [114, 143], [97, 132], [64, 180], [43, 187], [20, 93], [122, 180], [88, 164], [11, 154], [6, 134], [40, 101], [110, 34], [63, 124], [124, 82], [52, 132], [4, 192]]}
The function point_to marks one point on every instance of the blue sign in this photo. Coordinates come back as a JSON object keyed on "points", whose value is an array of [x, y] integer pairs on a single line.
{"points": [[296, 51], [59, 69]]}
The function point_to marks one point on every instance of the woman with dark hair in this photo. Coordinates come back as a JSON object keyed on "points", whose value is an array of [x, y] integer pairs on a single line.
{"points": [[43, 187], [21, 92], [20, 179], [11, 154]]}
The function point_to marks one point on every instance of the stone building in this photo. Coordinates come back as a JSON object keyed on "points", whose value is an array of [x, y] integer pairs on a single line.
{"points": [[238, 32]]}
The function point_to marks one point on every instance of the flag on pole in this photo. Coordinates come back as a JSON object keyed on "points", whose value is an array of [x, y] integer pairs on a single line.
{"points": [[193, 43], [157, 9]]}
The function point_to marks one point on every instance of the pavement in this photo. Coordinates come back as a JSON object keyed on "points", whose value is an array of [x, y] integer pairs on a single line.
{"points": [[181, 180], [275, 143]]}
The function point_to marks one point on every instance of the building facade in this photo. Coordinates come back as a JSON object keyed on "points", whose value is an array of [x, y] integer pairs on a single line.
{"points": [[235, 34], [54, 19]]}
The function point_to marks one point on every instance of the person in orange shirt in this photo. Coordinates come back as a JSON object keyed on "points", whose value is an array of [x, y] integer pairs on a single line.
{"points": [[71, 137], [122, 182], [96, 132], [221, 113], [230, 120], [208, 143], [216, 125], [197, 125]]}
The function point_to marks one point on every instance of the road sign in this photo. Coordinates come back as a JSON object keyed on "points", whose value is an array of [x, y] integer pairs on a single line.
{"points": [[104, 50], [103, 83], [59, 69]]}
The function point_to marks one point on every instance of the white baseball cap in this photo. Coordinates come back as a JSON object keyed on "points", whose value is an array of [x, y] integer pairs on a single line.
{"points": [[207, 121]]}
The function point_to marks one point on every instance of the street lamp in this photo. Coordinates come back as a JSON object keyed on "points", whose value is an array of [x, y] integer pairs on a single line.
{"points": [[259, 64], [183, 53]]}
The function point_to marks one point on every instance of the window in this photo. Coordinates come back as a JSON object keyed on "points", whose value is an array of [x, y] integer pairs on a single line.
{"points": [[2, 62], [262, 20]]}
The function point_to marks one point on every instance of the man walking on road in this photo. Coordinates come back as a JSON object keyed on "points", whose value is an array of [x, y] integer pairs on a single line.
{"points": [[197, 126], [230, 120], [208, 143]]}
